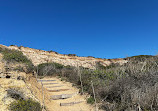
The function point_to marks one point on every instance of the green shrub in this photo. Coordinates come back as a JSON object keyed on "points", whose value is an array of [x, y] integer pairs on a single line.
{"points": [[140, 58], [25, 105], [90, 100], [71, 54], [49, 69], [14, 55], [117, 84], [90, 57], [100, 66], [1, 49], [17, 56], [56, 65], [19, 68], [53, 51], [14, 93]]}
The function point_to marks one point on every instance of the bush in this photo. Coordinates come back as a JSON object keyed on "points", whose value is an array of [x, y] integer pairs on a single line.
{"points": [[53, 51], [90, 100], [25, 105], [17, 56], [90, 57], [12, 45], [72, 55], [14, 55], [16, 94], [49, 69], [119, 87], [1, 49], [139, 57]]}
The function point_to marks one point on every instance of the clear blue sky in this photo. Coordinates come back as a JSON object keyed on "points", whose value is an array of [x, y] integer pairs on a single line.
{"points": [[100, 28]]}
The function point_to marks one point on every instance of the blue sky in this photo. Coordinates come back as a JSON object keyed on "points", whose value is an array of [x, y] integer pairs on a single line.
{"points": [[99, 28]]}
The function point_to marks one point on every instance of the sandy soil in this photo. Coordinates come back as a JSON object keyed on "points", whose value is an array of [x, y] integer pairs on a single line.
{"points": [[54, 105]]}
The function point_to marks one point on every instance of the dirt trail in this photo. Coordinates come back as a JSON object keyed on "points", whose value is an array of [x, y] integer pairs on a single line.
{"points": [[54, 86], [31, 85]]}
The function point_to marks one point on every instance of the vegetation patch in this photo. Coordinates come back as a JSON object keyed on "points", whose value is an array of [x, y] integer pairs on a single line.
{"points": [[48, 69], [25, 105], [12, 56], [117, 87], [21, 103], [71, 54], [90, 100], [15, 94], [140, 57]]}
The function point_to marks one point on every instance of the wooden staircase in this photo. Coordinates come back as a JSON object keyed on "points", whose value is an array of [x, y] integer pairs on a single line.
{"points": [[59, 93]]}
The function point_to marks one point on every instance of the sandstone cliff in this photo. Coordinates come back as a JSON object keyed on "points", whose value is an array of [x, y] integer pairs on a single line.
{"points": [[40, 56]]}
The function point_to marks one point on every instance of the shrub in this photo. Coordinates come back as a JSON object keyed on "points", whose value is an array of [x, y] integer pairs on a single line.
{"points": [[29, 67], [25, 105], [17, 56], [119, 87], [53, 51], [71, 54], [14, 55], [20, 47], [14, 93], [140, 57], [49, 69], [12, 45], [90, 57], [90, 100], [99, 66], [1, 49]]}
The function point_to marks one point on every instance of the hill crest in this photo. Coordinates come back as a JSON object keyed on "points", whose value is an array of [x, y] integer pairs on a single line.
{"points": [[41, 56]]}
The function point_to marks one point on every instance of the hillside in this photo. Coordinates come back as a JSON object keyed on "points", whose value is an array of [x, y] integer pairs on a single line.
{"points": [[18, 84], [58, 82], [40, 56], [13, 86]]}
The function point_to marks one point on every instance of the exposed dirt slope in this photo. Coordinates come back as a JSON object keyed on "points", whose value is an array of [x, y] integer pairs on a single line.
{"points": [[40, 56], [9, 81]]}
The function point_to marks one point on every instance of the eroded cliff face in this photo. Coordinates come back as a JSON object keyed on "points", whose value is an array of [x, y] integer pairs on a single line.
{"points": [[40, 56], [10, 82]]}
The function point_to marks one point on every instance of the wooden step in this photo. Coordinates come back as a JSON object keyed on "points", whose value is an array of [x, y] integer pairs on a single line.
{"points": [[58, 90], [53, 86], [49, 83], [40, 80], [63, 96], [70, 103]]}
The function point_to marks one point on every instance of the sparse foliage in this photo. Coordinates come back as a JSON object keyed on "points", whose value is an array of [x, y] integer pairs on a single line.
{"points": [[25, 105], [71, 54], [119, 87], [12, 56], [90, 100], [15, 94]]}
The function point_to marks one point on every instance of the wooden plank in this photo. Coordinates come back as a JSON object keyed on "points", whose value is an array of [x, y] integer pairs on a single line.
{"points": [[45, 80], [58, 90], [53, 86], [49, 83], [70, 104], [63, 96]]}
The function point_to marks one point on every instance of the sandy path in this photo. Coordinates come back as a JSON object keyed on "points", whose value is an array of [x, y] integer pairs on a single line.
{"points": [[83, 106]]}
